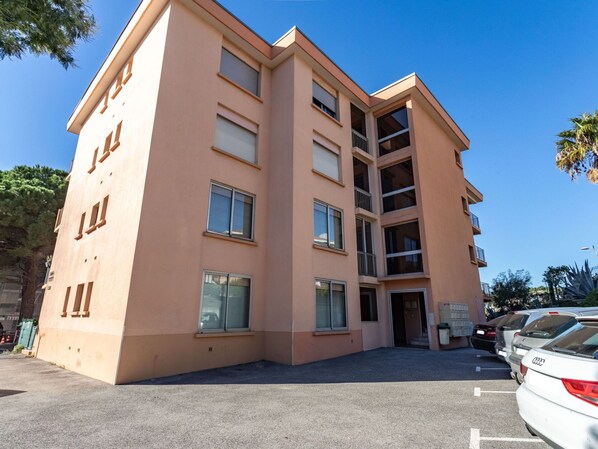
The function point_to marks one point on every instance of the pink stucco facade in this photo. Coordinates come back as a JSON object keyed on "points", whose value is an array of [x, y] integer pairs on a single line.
{"points": [[151, 250]]}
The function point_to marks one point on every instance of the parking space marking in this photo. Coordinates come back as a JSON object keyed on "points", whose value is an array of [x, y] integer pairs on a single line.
{"points": [[475, 439], [477, 391], [478, 369]]}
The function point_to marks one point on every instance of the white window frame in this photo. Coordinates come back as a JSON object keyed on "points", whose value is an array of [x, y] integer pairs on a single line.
{"points": [[399, 191], [402, 253], [398, 133], [232, 210], [328, 209], [228, 276], [330, 282]]}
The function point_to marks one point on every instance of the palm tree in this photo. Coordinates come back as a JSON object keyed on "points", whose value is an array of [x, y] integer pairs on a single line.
{"points": [[578, 148]]}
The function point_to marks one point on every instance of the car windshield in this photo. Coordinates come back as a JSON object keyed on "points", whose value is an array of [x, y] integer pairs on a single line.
{"points": [[548, 326], [513, 322], [580, 342]]}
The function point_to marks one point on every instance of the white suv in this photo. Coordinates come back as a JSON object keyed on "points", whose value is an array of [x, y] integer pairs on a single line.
{"points": [[558, 399], [549, 326]]}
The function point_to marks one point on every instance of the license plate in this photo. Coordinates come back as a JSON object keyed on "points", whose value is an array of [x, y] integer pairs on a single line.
{"points": [[520, 351], [480, 332], [502, 353]]}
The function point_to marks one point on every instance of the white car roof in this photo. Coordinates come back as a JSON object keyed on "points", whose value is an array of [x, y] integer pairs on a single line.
{"points": [[573, 311]]}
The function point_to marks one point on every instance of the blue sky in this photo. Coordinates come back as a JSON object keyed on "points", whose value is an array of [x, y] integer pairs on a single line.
{"points": [[510, 73]]}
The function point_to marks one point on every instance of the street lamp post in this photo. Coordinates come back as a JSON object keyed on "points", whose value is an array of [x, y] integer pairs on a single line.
{"points": [[593, 248]]}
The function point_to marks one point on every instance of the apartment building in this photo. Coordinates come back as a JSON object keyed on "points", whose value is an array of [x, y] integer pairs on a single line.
{"points": [[232, 200]]}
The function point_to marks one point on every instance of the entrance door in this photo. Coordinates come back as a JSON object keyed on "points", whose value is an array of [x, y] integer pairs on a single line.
{"points": [[409, 319]]}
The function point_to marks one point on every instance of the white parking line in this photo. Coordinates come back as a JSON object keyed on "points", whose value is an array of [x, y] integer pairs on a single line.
{"points": [[475, 439], [478, 369], [477, 391]]}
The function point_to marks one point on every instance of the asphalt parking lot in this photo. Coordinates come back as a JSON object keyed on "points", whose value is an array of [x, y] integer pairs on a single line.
{"points": [[399, 398]]}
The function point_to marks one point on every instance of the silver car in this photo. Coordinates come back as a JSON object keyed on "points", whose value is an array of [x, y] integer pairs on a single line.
{"points": [[513, 323], [538, 333]]}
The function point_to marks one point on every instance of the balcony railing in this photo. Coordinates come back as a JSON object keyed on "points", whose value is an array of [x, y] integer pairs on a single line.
{"points": [[481, 256], [359, 141], [486, 289], [363, 199], [475, 221], [366, 264]]}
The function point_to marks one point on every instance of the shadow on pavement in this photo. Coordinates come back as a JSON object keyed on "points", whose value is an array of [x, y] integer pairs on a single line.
{"points": [[379, 365], [4, 393]]}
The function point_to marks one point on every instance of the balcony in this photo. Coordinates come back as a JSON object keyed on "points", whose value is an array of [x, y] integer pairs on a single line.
{"points": [[366, 264], [359, 141], [486, 290], [363, 199], [481, 257], [475, 224]]}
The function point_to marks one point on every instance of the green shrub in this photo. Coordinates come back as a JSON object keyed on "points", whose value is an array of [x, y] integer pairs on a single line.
{"points": [[18, 348], [591, 300]]}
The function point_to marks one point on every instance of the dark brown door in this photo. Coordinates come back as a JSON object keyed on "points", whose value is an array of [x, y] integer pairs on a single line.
{"points": [[398, 319]]}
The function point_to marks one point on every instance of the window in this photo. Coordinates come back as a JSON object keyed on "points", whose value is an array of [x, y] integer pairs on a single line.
{"points": [[328, 226], [87, 298], [231, 212], [369, 306], [326, 162], [119, 84], [331, 312], [225, 302], [458, 159], [58, 219], [81, 226], [102, 221], [393, 131], [107, 145], [65, 304], [361, 178], [128, 71], [78, 298], [116, 142], [105, 104], [366, 260], [324, 100], [93, 219], [398, 186], [94, 160], [236, 140], [465, 205], [239, 72], [472, 254], [403, 249], [358, 121]]}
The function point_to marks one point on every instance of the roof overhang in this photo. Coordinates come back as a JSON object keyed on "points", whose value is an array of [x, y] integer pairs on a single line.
{"points": [[234, 30]]}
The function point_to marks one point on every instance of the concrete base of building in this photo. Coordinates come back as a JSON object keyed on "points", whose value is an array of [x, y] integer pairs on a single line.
{"points": [[143, 357]]}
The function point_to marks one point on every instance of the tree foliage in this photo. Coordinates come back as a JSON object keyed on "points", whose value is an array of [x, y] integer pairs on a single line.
{"points": [[29, 199], [579, 282], [554, 278], [578, 148], [50, 27], [511, 291]]}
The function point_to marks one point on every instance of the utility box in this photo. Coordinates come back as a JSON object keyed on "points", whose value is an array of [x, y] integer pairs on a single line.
{"points": [[27, 333], [457, 317], [443, 333]]}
